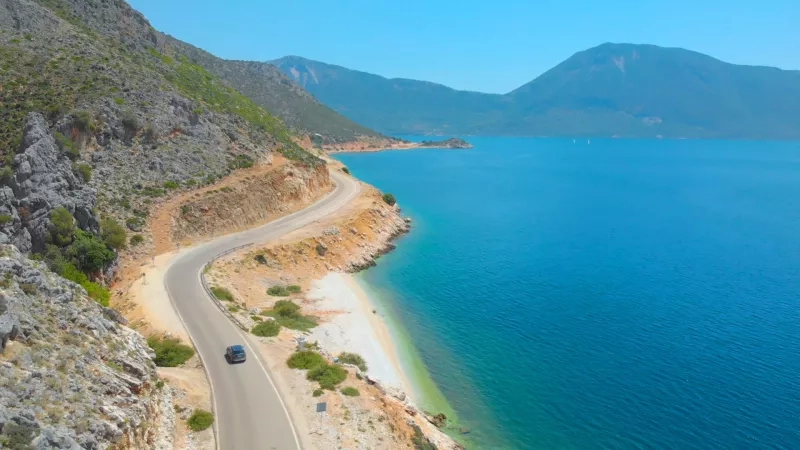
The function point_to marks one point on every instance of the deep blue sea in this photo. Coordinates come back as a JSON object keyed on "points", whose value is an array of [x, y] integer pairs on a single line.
{"points": [[620, 294]]}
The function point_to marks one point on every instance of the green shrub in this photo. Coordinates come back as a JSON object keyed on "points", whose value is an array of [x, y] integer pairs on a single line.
{"points": [[317, 392], [222, 293], [241, 162], [96, 291], [18, 436], [269, 328], [113, 234], [354, 359], [278, 291], [134, 222], [171, 185], [129, 121], [200, 420], [286, 308], [6, 174], [67, 146], [287, 314], [234, 308], [327, 375], [136, 239], [346, 170], [389, 199], [84, 121], [256, 318], [350, 391], [28, 288], [85, 171], [119, 101], [4, 219], [294, 289], [62, 230], [89, 252], [261, 259], [152, 191], [305, 360], [169, 351]]}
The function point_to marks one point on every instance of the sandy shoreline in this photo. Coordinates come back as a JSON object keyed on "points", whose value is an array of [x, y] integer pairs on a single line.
{"points": [[356, 328]]}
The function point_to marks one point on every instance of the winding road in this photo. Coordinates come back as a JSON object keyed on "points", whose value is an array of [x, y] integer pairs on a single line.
{"points": [[249, 411]]}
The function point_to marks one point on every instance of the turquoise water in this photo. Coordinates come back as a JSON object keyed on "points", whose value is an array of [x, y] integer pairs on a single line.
{"points": [[623, 294]]}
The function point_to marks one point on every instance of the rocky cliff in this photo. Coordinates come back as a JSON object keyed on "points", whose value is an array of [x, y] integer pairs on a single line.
{"points": [[42, 179], [72, 375]]}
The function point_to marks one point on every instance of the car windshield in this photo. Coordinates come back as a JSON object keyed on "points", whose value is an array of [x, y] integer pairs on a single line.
{"points": [[237, 349]]}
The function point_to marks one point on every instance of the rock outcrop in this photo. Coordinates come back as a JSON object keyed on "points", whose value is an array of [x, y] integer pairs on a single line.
{"points": [[71, 374], [42, 180], [447, 143]]}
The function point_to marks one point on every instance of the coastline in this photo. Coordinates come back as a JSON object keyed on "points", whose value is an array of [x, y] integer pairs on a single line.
{"points": [[321, 259], [390, 148]]}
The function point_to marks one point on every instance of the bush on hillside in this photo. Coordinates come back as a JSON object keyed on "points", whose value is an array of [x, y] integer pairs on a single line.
{"points": [[317, 392], [136, 239], [278, 291], [354, 359], [222, 293], [67, 146], [89, 252], [327, 375], [305, 360], [389, 199], [85, 171], [200, 420], [350, 391], [62, 230], [287, 314], [113, 234], [169, 351], [268, 328]]}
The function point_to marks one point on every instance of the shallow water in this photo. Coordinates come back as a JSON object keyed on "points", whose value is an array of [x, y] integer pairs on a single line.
{"points": [[623, 294]]}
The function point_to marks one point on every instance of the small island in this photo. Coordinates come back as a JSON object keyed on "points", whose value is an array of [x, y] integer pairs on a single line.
{"points": [[448, 143]]}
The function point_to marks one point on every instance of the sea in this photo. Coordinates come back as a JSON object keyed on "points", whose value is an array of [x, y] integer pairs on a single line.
{"points": [[603, 294]]}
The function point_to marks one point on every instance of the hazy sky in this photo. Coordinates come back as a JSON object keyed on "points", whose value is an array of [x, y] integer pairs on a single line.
{"points": [[489, 46]]}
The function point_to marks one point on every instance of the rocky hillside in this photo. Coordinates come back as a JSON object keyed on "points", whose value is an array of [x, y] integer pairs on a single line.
{"points": [[72, 375], [112, 116], [271, 89]]}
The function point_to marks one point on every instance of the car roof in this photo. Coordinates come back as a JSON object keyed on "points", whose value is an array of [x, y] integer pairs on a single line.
{"points": [[237, 348]]}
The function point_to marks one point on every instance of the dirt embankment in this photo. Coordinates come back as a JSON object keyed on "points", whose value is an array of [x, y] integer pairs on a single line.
{"points": [[244, 202], [347, 241]]}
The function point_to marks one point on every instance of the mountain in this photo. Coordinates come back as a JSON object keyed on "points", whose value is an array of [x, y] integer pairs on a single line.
{"points": [[392, 105], [270, 88], [621, 90]]}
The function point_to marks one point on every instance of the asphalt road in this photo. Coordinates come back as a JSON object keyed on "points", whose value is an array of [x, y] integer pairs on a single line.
{"points": [[249, 412]]}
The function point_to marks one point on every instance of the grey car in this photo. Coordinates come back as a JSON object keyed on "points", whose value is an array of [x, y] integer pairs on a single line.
{"points": [[235, 354]]}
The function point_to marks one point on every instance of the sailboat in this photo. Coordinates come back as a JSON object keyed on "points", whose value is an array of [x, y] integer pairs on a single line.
{"points": [[588, 141], [573, 141]]}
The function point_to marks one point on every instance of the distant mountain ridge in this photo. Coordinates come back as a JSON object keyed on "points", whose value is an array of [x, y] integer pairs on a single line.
{"points": [[623, 90]]}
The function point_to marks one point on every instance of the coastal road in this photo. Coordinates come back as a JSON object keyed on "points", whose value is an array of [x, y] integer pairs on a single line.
{"points": [[249, 413]]}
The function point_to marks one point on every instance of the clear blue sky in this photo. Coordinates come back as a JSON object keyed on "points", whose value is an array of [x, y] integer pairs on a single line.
{"points": [[488, 46]]}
